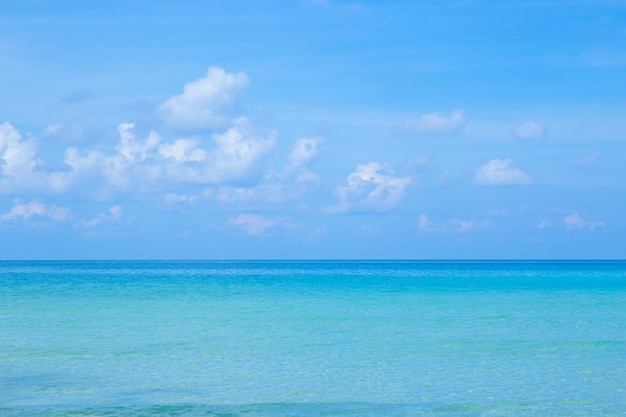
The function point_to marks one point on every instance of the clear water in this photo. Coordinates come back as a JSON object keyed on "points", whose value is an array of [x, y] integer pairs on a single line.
{"points": [[313, 338]]}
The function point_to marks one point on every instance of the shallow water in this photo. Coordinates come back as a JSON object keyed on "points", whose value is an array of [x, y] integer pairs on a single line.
{"points": [[312, 338]]}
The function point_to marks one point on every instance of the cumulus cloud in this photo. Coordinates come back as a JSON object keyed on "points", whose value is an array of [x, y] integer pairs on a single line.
{"points": [[20, 167], [183, 150], [205, 103], [236, 157], [529, 130], [277, 187], [17, 157], [231, 159], [123, 166], [434, 123], [304, 150], [115, 213], [130, 148], [371, 187], [256, 225], [237, 154], [231, 156], [501, 172], [574, 221], [302, 153], [35, 208]]}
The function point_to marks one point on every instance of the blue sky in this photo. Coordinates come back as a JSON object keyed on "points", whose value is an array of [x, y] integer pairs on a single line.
{"points": [[312, 129]]}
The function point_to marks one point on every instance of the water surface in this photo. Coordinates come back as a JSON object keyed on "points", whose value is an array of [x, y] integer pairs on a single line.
{"points": [[279, 338]]}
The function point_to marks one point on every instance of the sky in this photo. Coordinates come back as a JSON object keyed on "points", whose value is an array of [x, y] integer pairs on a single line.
{"points": [[313, 129]]}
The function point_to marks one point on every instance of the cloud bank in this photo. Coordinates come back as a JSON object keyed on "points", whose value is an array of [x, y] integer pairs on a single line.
{"points": [[235, 157]]}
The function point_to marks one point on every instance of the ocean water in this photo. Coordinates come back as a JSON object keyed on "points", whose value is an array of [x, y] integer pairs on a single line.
{"points": [[282, 338]]}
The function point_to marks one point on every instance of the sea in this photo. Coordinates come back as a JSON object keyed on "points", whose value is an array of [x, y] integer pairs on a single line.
{"points": [[312, 338]]}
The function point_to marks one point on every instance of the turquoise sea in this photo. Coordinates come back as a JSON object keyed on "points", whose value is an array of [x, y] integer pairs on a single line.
{"points": [[309, 338]]}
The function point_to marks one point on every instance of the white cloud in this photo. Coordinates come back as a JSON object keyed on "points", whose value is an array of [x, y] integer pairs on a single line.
{"points": [[529, 130], [183, 150], [424, 222], [92, 163], [272, 193], [132, 150], [574, 221], [236, 157], [233, 156], [371, 187], [434, 123], [255, 225], [277, 186], [451, 225], [544, 224], [589, 160], [132, 161], [501, 172], [115, 213], [173, 198], [18, 157], [205, 103], [25, 211], [53, 129], [72, 131], [20, 168], [232, 194], [317, 232], [303, 152]]}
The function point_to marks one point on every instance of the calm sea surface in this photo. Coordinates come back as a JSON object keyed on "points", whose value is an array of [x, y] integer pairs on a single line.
{"points": [[313, 338]]}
